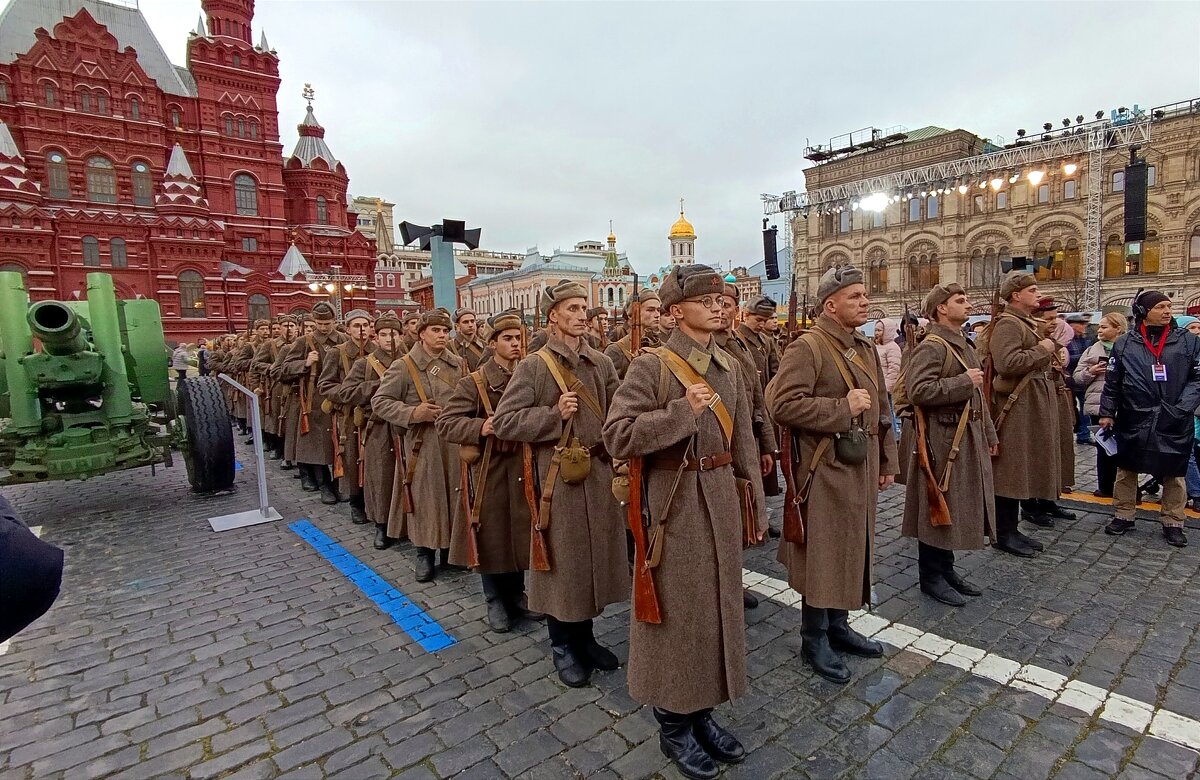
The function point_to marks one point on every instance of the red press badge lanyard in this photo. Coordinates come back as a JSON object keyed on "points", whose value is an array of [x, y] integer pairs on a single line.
{"points": [[1159, 370]]}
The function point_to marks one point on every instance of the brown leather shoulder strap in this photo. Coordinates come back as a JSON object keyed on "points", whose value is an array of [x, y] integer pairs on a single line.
{"points": [[411, 365], [477, 377], [687, 377], [377, 365], [569, 383]]}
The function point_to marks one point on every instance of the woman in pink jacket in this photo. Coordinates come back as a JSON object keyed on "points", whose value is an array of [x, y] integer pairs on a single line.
{"points": [[889, 357]]}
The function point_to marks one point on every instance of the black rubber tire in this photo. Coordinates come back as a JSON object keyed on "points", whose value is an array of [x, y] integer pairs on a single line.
{"points": [[209, 434]]}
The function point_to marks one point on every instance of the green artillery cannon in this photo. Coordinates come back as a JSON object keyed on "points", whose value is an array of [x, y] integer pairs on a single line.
{"points": [[96, 396]]}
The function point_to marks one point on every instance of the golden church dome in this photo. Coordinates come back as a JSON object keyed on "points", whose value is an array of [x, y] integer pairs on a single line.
{"points": [[682, 228]]}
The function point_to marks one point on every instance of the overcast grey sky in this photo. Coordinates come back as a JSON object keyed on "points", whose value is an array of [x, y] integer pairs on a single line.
{"points": [[540, 121]]}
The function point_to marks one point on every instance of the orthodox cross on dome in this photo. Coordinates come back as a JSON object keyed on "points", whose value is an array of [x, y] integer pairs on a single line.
{"points": [[309, 93], [681, 207]]}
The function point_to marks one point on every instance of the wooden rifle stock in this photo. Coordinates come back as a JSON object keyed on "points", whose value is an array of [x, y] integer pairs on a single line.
{"points": [[539, 556], [472, 529], [339, 462], [939, 511], [793, 521], [646, 608], [306, 387], [361, 437]]}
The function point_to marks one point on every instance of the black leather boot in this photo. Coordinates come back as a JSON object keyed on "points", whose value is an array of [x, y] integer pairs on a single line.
{"points": [[571, 671], [816, 650], [678, 743], [1033, 512], [716, 741], [953, 580], [1030, 542], [382, 542], [1052, 509], [358, 514], [846, 639], [287, 465], [307, 482], [749, 600], [516, 598], [424, 568], [592, 652], [493, 593], [328, 493], [445, 561], [932, 577], [1008, 539]]}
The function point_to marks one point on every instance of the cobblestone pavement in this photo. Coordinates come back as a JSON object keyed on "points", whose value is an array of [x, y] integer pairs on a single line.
{"points": [[178, 652]]}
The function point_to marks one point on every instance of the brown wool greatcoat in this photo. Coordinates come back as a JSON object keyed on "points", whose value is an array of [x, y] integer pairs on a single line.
{"points": [[586, 537], [938, 384], [833, 570], [239, 369], [379, 466], [470, 350], [764, 352], [331, 384], [1028, 464], [435, 478], [289, 404], [280, 390], [619, 351], [759, 419], [1066, 429], [504, 514], [315, 447], [260, 366], [695, 658]]}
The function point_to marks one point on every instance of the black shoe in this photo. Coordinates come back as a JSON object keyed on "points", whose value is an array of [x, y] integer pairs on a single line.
{"points": [[749, 600], [358, 515], [424, 568], [571, 672], [1119, 527], [307, 483], [596, 655], [1051, 509], [521, 611], [959, 584], [846, 639], [941, 590], [716, 741], [1040, 519], [815, 649], [1030, 542], [497, 617], [678, 742], [1102, 493], [774, 532], [382, 542], [445, 562], [328, 494], [1174, 536], [1015, 545]]}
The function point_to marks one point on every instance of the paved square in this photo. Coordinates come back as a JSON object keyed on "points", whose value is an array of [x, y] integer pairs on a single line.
{"points": [[178, 652]]}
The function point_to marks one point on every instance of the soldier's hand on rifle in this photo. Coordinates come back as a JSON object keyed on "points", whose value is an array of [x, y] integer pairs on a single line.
{"points": [[426, 412], [886, 481], [568, 404], [976, 375], [488, 430], [313, 357], [1049, 345], [699, 397], [859, 400]]}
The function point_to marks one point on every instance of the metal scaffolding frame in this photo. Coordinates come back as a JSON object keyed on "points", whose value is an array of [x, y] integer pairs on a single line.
{"points": [[1091, 140]]}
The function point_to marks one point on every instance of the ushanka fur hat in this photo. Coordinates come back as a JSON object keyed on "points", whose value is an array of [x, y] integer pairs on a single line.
{"points": [[690, 281]]}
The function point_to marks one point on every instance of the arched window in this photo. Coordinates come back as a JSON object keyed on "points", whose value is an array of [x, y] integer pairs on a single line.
{"points": [[1151, 253], [56, 175], [1071, 261], [914, 210], [1194, 250], [135, 108], [241, 127], [258, 308], [1044, 193], [934, 272], [253, 129], [1118, 181], [1002, 199], [101, 180], [877, 269], [48, 95], [228, 124], [1040, 252], [101, 103], [245, 195], [4, 91], [191, 294], [1114, 257], [914, 273], [16, 267], [931, 207], [322, 211], [844, 222], [1069, 189], [91, 252], [84, 100], [976, 269], [923, 271], [116, 252], [143, 186], [176, 117]]}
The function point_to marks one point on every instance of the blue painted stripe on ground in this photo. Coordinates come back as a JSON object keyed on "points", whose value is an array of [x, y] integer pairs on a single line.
{"points": [[411, 619]]}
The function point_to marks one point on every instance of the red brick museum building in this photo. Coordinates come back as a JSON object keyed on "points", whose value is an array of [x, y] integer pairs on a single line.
{"points": [[172, 179]]}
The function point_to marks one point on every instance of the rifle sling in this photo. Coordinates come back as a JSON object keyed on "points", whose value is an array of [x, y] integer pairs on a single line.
{"points": [[568, 383], [486, 461], [411, 467], [963, 419]]}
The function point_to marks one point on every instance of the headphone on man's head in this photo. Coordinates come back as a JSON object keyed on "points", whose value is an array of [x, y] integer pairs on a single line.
{"points": [[1139, 311]]}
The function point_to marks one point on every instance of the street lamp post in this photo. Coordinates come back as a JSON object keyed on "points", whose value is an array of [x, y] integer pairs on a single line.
{"points": [[334, 284]]}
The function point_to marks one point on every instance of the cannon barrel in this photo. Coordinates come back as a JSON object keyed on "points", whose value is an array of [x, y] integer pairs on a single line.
{"points": [[57, 327]]}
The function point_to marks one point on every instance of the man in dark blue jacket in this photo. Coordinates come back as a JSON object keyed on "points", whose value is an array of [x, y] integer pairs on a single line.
{"points": [[30, 573], [1151, 391]]}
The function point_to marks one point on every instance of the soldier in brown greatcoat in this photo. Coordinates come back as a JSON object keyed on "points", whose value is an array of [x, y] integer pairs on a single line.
{"points": [[264, 388], [290, 421], [278, 391], [597, 335], [411, 396], [410, 322], [1039, 511], [695, 659], [620, 352], [943, 380], [349, 427], [755, 336], [302, 363], [466, 342], [584, 530], [239, 369], [1024, 411], [830, 391], [378, 458], [497, 496]]}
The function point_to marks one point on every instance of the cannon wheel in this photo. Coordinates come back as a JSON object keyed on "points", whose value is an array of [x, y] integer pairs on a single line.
{"points": [[208, 446]]}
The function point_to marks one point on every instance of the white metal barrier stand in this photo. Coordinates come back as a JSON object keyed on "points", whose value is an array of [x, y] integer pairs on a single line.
{"points": [[265, 513]]}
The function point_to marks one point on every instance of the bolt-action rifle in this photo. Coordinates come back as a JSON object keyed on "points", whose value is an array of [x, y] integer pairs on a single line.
{"points": [[645, 598], [939, 511], [793, 521]]}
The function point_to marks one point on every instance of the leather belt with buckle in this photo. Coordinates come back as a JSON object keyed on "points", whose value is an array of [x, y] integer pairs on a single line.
{"points": [[704, 463]]}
